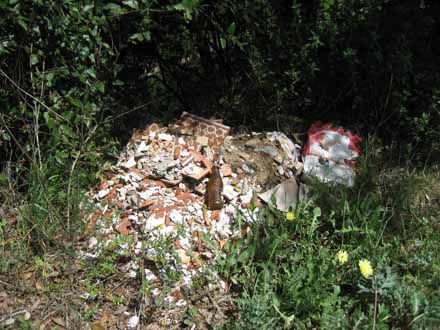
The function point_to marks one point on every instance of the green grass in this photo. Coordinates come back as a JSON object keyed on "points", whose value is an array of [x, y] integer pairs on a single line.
{"points": [[287, 275]]}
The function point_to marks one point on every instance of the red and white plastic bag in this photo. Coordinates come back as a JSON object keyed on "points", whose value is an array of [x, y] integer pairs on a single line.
{"points": [[330, 154]]}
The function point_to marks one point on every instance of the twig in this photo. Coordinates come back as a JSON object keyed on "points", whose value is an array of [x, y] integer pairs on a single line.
{"points": [[135, 109], [31, 96], [5, 317], [385, 106], [7, 284]]}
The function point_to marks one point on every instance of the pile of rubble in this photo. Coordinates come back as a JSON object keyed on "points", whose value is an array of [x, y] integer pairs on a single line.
{"points": [[157, 191], [155, 203]]}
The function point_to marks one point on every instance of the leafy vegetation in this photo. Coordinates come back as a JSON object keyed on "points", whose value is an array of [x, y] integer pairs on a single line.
{"points": [[76, 77], [293, 276]]}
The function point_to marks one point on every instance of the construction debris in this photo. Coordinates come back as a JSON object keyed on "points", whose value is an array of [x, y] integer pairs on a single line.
{"points": [[330, 154], [161, 192]]}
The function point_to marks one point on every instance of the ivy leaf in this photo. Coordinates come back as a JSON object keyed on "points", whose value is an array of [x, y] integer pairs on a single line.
{"points": [[132, 4], [5, 136], [49, 120], [67, 131], [34, 59], [91, 72], [114, 8], [231, 28], [223, 42], [100, 86]]}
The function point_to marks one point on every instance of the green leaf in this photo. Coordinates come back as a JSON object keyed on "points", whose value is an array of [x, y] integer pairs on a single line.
{"points": [[49, 120], [223, 42], [6, 136], [133, 4], [231, 28], [22, 22], [179, 7], [114, 8], [87, 8], [100, 86], [66, 130], [34, 59], [91, 72], [49, 79], [316, 213]]}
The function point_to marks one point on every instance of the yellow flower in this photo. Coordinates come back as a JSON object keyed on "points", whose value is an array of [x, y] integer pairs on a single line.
{"points": [[342, 256], [290, 216], [365, 268]]}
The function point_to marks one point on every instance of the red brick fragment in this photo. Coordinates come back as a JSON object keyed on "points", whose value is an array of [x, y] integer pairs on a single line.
{"points": [[226, 170], [198, 176], [112, 194], [222, 243], [92, 222], [206, 217], [215, 215], [150, 129], [123, 227], [197, 156], [207, 163], [186, 195], [146, 204], [167, 221], [245, 230], [171, 183], [154, 182]]}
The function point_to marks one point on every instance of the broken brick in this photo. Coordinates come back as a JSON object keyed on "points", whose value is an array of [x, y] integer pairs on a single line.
{"points": [[123, 227], [185, 195], [207, 163], [146, 204], [215, 215], [226, 170]]}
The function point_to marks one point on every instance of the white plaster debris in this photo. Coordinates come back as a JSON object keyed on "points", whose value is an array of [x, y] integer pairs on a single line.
{"points": [[93, 241], [130, 163], [85, 295], [102, 193], [132, 273], [247, 197], [229, 192], [9, 321], [142, 147], [176, 216], [133, 322], [145, 194], [165, 137], [154, 222], [149, 275], [138, 248], [155, 292], [27, 315], [134, 218]]}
